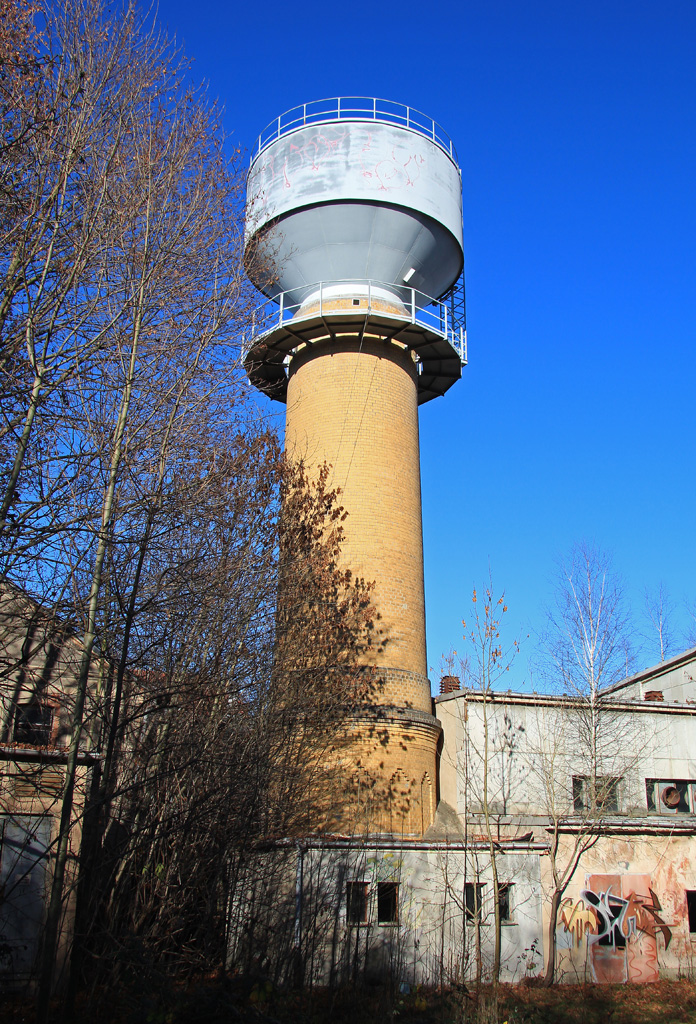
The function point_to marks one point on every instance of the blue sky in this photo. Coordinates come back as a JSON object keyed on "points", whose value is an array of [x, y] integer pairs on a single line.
{"points": [[576, 131]]}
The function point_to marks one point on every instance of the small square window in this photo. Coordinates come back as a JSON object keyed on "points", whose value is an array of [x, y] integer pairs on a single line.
{"points": [[691, 909], [473, 898], [387, 902], [33, 724], [673, 796], [504, 901], [593, 794], [356, 903]]}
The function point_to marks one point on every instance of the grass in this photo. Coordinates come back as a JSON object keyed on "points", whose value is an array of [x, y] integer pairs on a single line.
{"points": [[662, 1003], [215, 1002]]}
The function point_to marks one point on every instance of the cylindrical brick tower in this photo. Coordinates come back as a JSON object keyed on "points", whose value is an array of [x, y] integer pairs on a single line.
{"points": [[356, 204]]}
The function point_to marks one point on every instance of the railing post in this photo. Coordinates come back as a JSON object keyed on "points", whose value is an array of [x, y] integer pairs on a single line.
{"points": [[413, 305], [321, 298], [374, 108], [282, 301], [304, 113]]}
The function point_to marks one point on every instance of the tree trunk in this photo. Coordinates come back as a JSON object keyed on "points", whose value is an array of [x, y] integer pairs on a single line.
{"points": [[550, 973]]}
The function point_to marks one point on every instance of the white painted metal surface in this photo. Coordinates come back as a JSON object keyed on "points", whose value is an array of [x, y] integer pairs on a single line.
{"points": [[355, 199]]}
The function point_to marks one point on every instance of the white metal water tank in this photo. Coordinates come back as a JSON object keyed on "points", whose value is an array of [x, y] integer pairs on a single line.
{"points": [[354, 189]]}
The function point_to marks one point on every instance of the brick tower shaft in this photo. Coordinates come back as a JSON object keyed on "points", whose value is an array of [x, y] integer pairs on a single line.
{"points": [[355, 406]]}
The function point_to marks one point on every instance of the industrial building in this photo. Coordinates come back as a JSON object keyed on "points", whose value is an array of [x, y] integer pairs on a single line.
{"points": [[423, 909]]}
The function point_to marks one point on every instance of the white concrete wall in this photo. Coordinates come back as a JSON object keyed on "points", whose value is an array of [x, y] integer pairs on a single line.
{"points": [[431, 942], [536, 749]]}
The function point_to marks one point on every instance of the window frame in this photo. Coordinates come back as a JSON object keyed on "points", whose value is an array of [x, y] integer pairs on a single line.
{"points": [[610, 802], [29, 732], [686, 788], [690, 895], [473, 906], [505, 903]]}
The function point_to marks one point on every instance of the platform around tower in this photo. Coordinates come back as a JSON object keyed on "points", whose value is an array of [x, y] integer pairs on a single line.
{"points": [[439, 350]]}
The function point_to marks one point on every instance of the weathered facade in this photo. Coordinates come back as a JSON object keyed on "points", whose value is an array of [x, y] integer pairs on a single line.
{"points": [[629, 910], [422, 910], [39, 662]]}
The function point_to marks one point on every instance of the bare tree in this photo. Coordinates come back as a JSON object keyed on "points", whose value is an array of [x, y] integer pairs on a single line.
{"points": [[219, 642], [691, 629], [119, 199], [236, 705], [120, 244], [489, 660], [579, 758], [658, 611]]}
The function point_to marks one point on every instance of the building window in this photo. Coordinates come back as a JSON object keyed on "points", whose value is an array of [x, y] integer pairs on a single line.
{"points": [[671, 796], [33, 724], [356, 903], [505, 902], [473, 898], [691, 909], [387, 902], [598, 793]]}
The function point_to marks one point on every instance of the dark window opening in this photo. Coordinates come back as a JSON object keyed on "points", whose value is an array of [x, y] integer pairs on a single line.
{"points": [[504, 902], [356, 903], [650, 793], [691, 908], [33, 724], [614, 935], [387, 902], [578, 793], [473, 898], [670, 796], [600, 793]]}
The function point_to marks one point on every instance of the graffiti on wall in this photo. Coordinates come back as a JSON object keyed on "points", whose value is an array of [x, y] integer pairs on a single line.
{"points": [[618, 917], [309, 153]]}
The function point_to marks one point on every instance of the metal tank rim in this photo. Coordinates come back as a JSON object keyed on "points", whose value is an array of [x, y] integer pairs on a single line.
{"points": [[337, 108]]}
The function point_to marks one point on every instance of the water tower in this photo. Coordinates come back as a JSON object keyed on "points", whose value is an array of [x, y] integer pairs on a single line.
{"points": [[356, 204]]}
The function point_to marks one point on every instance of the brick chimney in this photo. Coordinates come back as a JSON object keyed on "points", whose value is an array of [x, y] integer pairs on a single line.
{"points": [[448, 684]]}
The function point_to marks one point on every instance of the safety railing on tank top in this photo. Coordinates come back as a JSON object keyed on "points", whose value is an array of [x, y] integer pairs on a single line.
{"points": [[354, 108], [329, 300]]}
